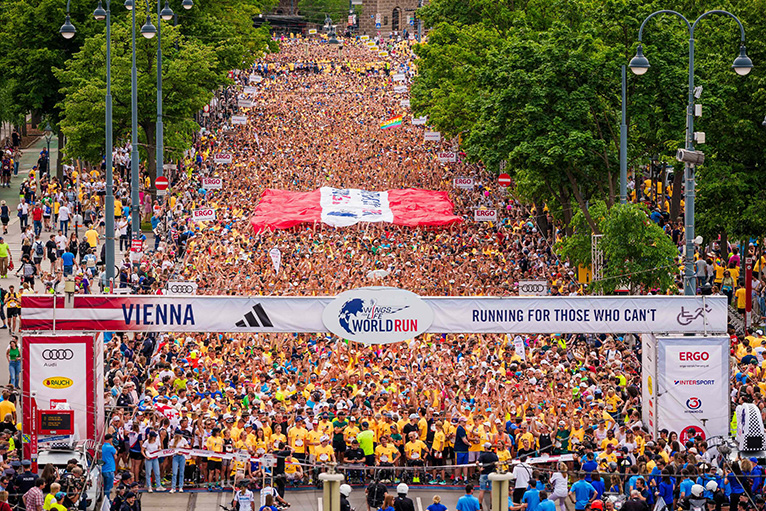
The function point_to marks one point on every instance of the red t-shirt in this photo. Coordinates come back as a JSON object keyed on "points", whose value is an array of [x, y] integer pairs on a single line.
{"points": [[37, 215]]}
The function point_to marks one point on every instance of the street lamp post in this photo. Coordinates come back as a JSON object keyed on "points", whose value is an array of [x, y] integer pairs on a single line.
{"points": [[68, 31], [148, 31], [640, 65], [48, 133]]}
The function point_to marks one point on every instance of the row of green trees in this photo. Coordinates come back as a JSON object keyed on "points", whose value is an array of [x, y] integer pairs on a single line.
{"points": [[536, 83], [64, 80]]}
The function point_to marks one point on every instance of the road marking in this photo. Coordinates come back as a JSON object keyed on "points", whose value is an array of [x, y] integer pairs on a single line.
{"points": [[320, 505], [420, 504]]}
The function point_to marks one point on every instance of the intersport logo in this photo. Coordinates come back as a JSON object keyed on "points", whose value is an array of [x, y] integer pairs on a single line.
{"points": [[694, 382]]}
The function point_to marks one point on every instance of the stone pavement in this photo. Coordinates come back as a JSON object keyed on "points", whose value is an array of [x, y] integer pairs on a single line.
{"points": [[300, 500]]}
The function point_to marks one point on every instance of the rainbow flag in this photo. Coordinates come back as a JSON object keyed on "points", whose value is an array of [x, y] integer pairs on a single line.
{"points": [[392, 122]]}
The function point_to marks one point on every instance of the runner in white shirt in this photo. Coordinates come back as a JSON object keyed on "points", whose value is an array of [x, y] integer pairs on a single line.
{"points": [[245, 498]]}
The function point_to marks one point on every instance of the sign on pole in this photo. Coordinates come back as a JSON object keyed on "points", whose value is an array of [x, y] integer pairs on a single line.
{"points": [[533, 288], [212, 183], [399, 77], [420, 121], [222, 158], [249, 89], [463, 182], [276, 258], [400, 89], [239, 119], [405, 103], [203, 215], [485, 215], [447, 156], [161, 184], [312, 31], [433, 136], [504, 180], [245, 103]]}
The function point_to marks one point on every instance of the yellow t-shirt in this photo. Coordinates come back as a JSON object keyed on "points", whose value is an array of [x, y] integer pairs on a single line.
{"points": [[214, 444], [741, 295], [386, 454], [324, 453], [7, 407], [439, 441], [415, 450], [92, 237], [298, 439]]}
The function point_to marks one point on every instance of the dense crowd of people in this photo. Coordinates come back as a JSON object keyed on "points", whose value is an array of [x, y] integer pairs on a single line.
{"points": [[563, 413]]}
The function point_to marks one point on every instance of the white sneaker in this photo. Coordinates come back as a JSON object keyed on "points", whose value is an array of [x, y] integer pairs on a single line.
{"points": [[161, 488], [172, 490], [150, 490], [180, 490]]}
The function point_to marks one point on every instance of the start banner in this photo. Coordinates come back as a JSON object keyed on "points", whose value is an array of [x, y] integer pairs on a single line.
{"points": [[281, 209], [157, 313]]}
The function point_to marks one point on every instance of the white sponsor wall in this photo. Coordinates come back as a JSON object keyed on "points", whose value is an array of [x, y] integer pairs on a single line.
{"points": [[61, 370], [693, 385], [690, 385], [649, 383]]}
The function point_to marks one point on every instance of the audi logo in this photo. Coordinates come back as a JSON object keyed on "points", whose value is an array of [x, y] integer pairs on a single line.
{"points": [[533, 288], [58, 354], [187, 289]]}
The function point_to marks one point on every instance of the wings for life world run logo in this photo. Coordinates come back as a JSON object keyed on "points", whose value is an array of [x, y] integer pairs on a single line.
{"points": [[377, 315], [366, 315]]}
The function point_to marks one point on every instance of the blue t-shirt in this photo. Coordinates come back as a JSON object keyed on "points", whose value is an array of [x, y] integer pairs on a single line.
{"points": [[467, 503], [108, 452], [589, 466], [459, 445], [546, 505], [599, 487], [532, 498], [437, 507], [666, 492], [67, 258], [685, 488], [583, 491]]}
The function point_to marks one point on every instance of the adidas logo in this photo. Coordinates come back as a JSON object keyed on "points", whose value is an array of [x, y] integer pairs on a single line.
{"points": [[251, 321]]}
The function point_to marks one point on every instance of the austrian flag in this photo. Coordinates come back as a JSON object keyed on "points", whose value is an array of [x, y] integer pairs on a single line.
{"points": [[341, 207]]}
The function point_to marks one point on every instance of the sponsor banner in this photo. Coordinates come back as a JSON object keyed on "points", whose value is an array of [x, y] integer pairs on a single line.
{"points": [[515, 315], [433, 136], [533, 287], [485, 215], [649, 383], [245, 103], [249, 89], [266, 459], [222, 158], [239, 119], [399, 77], [405, 103], [419, 121], [377, 315], [281, 209], [312, 31], [276, 258], [203, 215], [182, 288], [447, 156], [518, 346], [61, 369], [212, 183], [693, 384], [400, 89], [463, 182]]}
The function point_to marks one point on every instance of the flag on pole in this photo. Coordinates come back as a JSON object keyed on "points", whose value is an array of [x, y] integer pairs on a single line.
{"points": [[392, 122]]}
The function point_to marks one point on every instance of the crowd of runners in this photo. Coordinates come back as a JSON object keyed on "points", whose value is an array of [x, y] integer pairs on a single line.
{"points": [[563, 414]]}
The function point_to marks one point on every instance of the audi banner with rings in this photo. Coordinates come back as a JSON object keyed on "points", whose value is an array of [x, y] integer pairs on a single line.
{"points": [[533, 287], [182, 288], [64, 371], [471, 314]]}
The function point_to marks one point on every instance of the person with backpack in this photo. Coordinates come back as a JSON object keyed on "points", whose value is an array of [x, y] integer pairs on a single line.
{"points": [[38, 252], [27, 270], [5, 216]]}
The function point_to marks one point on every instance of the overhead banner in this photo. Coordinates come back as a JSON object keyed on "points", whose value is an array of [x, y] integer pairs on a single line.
{"points": [[281, 209], [465, 183], [239, 119], [212, 183], [485, 215], [222, 158], [203, 215], [156, 313], [693, 386], [447, 156], [433, 136]]}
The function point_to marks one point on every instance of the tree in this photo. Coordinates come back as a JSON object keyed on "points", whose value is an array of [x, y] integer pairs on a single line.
{"points": [[189, 77], [637, 252]]}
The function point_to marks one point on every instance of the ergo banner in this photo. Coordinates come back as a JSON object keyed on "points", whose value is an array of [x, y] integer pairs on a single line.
{"points": [[463, 182], [212, 183], [222, 158], [485, 215], [203, 215]]}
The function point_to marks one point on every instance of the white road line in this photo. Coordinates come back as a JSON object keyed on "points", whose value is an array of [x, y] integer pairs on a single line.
{"points": [[319, 504], [420, 504]]}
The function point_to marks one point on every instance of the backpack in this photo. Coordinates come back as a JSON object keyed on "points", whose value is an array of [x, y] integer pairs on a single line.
{"points": [[39, 249]]}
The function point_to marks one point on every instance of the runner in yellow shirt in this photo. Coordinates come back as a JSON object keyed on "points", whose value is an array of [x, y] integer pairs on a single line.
{"points": [[214, 443]]}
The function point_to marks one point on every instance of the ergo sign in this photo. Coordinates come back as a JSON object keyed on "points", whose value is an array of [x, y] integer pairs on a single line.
{"points": [[464, 182], [688, 356], [212, 183], [222, 158], [447, 156], [203, 215], [485, 215]]}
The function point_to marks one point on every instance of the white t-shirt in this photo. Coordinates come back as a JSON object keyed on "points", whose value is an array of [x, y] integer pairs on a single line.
{"points": [[245, 499], [522, 473], [63, 213], [151, 446]]}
